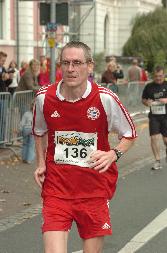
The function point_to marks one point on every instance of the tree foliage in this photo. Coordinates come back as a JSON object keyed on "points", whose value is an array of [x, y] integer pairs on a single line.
{"points": [[100, 63], [149, 38], [164, 3]]}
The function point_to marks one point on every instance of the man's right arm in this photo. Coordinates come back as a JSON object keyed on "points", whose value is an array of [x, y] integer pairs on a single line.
{"points": [[40, 146], [41, 138]]}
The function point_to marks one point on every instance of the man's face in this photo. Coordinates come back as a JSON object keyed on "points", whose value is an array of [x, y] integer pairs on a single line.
{"points": [[2, 61], [159, 77], [75, 69]]}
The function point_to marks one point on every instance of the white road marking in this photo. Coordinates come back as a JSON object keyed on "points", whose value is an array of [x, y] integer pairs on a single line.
{"points": [[151, 230], [81, 251]]}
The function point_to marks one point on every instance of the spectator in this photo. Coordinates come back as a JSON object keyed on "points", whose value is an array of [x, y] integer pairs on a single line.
{"points": [[144, 73], [58, 72], [29, 80], [16, 76], [24, 66], [134, 72], [111, 75], [28, 149], [155, 96], [5, 78], [44, 73], [5, 81]]}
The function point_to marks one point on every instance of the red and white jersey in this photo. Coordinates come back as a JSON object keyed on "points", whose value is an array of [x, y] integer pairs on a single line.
{"points": [[75, 129]]}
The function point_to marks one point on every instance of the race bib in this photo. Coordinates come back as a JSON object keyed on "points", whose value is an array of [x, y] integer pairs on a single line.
{"points": [[158, 109], [74, 147]]}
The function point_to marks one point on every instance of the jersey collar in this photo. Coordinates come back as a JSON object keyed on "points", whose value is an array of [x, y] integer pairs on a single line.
{"points": [[86, 93]]}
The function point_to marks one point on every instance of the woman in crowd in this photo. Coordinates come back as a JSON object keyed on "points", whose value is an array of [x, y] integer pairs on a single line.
{"points": [[24, 66], [44, 73], [29, 80], [111, 75]]}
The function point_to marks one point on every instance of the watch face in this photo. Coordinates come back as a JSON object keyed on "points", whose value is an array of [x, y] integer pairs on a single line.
{"points": [[118, 153]]}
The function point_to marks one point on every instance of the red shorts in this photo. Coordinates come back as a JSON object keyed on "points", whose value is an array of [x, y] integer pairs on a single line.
{"points": [[91, 216]]}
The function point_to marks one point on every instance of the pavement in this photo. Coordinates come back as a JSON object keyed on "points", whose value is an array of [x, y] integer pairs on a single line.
{"points": [[18, 190]]}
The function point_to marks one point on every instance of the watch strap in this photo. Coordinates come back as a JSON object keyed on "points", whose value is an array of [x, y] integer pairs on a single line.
{"points": [[118, 153]]}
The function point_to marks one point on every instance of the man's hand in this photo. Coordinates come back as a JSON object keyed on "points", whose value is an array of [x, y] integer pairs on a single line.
{"points": [[101, 160], [39, 175], [163, 100]]}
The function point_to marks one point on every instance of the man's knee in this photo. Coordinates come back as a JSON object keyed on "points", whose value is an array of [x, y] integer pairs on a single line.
{"points": [[94, 245]]}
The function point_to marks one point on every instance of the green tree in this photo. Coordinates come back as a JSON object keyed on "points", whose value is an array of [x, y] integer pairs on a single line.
{"points": [[99, 60], [149, 38], [164, 3]]}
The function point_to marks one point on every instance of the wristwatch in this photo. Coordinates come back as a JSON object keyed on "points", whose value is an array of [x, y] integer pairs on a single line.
{"points": [[118, 153]]}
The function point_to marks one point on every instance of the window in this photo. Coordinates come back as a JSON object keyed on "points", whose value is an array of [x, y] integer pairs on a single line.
{"points": [[106, 33]]}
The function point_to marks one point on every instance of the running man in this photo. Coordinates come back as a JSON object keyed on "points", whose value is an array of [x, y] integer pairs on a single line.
{"points": [[155, 96], [78, 173]]}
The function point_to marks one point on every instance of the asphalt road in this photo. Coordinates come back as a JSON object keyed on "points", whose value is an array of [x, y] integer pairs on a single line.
{"points": [[140, 198], [138, 210]]}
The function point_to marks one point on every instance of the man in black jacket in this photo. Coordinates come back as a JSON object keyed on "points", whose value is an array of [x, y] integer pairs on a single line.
{"points": [[5, 78]]}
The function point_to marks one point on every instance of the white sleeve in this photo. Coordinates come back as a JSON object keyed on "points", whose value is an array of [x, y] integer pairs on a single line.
{"points": [[39, 123], [118, 118]]}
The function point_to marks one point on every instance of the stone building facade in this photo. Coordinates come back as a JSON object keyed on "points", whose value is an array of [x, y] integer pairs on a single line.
{"points": [[104, 25]]}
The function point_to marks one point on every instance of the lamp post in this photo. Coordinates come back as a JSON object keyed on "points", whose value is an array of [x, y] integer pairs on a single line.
{"points": [[52, 49]]}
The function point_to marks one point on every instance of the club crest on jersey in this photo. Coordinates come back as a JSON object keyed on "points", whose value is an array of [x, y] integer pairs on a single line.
{"points": [[93, 113]]}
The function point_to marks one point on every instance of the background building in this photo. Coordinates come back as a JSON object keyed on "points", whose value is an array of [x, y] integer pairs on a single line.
{"points": [[104, 25]]}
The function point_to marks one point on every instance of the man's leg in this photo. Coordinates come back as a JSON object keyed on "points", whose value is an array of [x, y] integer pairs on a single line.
{"points": [[155, 146], [93, 245], [165, 143], [55, 241]]}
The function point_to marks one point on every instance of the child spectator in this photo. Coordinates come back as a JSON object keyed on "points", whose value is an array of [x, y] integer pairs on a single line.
{"points": [[28, 149]]}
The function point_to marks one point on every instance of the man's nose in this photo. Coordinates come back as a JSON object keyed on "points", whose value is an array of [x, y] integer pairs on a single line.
{"points": [[71, 66]]}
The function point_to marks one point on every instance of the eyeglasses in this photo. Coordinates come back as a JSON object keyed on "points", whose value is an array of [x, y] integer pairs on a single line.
{"points": [[75, 63]]}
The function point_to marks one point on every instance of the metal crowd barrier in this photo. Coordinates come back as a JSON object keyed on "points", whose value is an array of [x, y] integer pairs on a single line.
{"points": [[12, 109], [5, 112], [130, 95]]}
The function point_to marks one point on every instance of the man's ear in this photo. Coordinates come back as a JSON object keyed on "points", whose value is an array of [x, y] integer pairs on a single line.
{"points": [[90, 67]]}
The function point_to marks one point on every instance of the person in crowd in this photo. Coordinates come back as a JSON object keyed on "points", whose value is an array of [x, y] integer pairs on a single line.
{"points": [[16, 76], [76, 117], [134, 71], [144, 74], [58, 72], [155, 96], [44, 73], [5, 77], [29, 80], [28, 149], [24, 66], [110, 76], [5, 81]]}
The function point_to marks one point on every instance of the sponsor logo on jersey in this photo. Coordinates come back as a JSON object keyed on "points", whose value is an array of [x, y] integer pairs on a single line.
{"points": [[75, 140], [55, 115], [106, 226], [93, 113]]}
